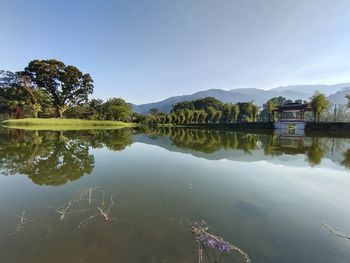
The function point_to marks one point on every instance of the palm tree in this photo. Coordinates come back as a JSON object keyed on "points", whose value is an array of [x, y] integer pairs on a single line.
{"points": [[227, 112], [181, 118], [318, 104], [271, 107], [188, 115], [211, 114], [196, 115], [248, 108], [168, 118], [173, 118], [217, 116], [255, 112], [234, 112], [202, 116]]}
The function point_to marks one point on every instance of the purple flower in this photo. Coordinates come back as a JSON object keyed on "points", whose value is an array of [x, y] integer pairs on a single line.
{"points": [[201, 238], [211, 243], [224, 246]]}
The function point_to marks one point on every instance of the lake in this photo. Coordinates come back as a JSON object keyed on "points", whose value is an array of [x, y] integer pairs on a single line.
{"points": [[132, 195]]}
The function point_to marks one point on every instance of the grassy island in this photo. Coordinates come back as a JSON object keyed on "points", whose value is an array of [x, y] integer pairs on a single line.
{"points": [[63, 124]]}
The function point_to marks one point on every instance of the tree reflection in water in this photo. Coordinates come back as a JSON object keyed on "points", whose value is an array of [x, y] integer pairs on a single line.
{"points": [[55, 158], [346, 161], [209, 141]]}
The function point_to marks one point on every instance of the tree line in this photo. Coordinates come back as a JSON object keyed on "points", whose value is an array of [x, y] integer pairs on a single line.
{"points": [[211, 110], [49, 88]]}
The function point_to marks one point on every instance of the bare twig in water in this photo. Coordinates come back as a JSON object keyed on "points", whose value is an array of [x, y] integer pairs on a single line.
{"points": [[88, 192], [335, 231], [85, 221], [49, 230], [65, 209], [215, 243], [22, 222], [200, 253], [104, 212]]}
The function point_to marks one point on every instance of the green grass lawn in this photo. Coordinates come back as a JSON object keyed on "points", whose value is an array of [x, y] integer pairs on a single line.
{"points": [[63, 124]]}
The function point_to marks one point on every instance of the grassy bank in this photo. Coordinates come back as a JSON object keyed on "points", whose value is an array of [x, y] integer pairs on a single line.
{"points": [[63, 124]]}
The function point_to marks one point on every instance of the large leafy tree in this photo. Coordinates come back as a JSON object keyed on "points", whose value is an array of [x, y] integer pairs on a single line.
{"points": [[348, 97], [182, 106], [206, 103], [318, 104], [12, 98], [96, 106], [199, 104], [35, 97], [117, 109], [65, 85]]}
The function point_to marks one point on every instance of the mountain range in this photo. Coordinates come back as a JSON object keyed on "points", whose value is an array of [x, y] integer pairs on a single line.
{"points": [[335, 93]]}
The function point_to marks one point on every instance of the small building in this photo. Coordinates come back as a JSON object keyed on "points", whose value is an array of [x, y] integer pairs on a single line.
{"points": [[291, 118]]}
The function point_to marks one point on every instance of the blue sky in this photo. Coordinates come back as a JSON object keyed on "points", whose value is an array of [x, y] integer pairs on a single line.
{"points": [[144, 51]]}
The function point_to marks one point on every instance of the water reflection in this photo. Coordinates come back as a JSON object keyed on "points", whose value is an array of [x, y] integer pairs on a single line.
{"points": [[55, 158], [264, 197], [315, 148], [346, 160]]}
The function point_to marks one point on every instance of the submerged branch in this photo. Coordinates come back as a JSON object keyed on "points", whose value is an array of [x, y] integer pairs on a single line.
{"points": [[200, 230], [335, 231], [22, 222]]}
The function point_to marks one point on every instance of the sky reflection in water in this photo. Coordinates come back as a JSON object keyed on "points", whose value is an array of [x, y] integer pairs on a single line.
{"points": [[265, 194]]}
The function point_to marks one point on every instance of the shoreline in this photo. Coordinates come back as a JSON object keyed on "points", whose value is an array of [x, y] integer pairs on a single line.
{"points": [[63, 124]]}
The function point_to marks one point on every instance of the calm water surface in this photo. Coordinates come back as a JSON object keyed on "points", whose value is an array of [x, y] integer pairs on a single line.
{"points": [[266, 194]]}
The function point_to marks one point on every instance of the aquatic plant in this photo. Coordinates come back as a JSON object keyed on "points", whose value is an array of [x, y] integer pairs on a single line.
{"points": [[213, 246]]}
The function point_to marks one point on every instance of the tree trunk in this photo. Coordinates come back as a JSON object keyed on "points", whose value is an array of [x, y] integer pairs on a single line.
{"points": [[59, 113]]}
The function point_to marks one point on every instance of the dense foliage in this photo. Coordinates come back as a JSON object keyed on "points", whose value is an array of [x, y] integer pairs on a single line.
{"points": [[49, 88], [318, 104], [65, 85]]}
